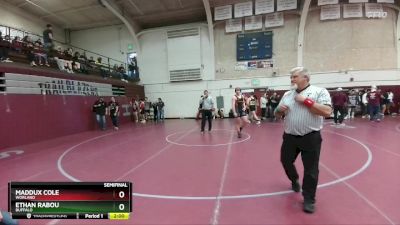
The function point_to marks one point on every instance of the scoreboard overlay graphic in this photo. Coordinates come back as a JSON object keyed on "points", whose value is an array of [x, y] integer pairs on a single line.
{"points": [[70, 200]]}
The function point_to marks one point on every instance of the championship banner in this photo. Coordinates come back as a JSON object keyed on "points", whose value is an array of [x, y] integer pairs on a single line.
{"points": [[357, 1], [327, 2], [233, 25], [330, 12], [264, 6], [386, 1], [283, 5], [274, 20], [31, 84], [352, 10], [243, 9], [253, 23], [223, 12], [373, 10]]}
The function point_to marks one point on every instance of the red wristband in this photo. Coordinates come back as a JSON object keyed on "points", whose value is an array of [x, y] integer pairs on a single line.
{"points": [[309, 102]]}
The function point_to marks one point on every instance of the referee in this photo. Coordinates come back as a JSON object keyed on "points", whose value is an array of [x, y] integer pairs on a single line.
{"points": [[304, 107], [207, 106]]}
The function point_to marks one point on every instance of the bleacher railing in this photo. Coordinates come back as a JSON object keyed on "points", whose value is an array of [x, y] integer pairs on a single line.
{"points": [[107, 63]]}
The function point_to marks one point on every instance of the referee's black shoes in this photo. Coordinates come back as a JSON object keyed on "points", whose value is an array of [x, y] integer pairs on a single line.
{"points": [[308, 207], [296, 186]]}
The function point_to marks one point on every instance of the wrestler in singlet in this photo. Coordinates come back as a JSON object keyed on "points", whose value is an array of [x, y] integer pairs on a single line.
{"points": [[240, 105], [252, 104]]}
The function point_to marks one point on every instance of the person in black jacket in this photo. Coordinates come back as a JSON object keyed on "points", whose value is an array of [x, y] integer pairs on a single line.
{"points": [[113, 107], [99, 107], [155, 112]]}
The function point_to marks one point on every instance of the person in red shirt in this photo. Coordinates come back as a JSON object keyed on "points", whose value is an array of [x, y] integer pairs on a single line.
{"points": [[339, 101], [374, 100]]}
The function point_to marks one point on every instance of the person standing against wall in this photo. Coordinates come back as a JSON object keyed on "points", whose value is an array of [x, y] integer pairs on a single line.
{"points": [[147, 106], [113, 108], [304, 107], [353, 96], [274, 101], [365, 104], [391, 103], [160, 109], [339, 101], [135, 109], [207, 108], [142, 112], [374, 101], [155, 112], [99, 108], [263, 104], [199, 109]]}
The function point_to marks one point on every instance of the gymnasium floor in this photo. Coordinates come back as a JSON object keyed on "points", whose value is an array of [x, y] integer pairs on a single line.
{"points": [[183, 177]]}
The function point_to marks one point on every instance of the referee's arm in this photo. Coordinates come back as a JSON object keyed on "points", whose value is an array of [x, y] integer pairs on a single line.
{"points": [[281, 108], [321, 110], [322, 105]]}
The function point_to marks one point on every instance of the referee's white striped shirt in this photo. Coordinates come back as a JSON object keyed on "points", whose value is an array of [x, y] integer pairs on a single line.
{"points": [[298, 119], [207, 103]]}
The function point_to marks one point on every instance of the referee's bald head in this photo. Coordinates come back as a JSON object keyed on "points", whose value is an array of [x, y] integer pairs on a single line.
{"points": [[300, 71]]}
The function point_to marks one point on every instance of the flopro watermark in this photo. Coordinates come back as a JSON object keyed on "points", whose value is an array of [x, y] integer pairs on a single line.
{"points": [[376, 14]]}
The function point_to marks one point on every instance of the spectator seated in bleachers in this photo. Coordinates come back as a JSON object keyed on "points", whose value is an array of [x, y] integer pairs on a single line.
{"points": [[118, 73], [59, 58], [83, 57], [17, 44], [122, 72], [82, 61], [91, 60], [115, 72], [28, 49], [37, 53], [104, 73], [7, 38], [40, 54], [76, 66], [4, 49], [68, 60]]}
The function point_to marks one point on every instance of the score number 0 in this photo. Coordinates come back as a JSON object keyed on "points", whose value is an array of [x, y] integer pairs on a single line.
{"points": [[121, 194]]}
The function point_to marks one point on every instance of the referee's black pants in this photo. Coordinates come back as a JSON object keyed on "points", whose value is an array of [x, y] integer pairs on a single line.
{"points": [[309, 146], [206, 115]]}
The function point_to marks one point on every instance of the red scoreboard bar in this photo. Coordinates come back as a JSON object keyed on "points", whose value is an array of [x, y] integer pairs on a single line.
{"points": [[70, 200]]}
